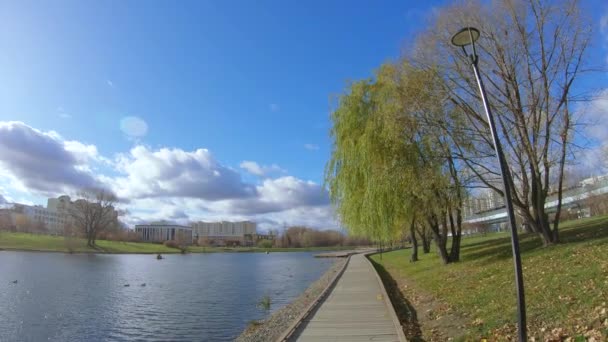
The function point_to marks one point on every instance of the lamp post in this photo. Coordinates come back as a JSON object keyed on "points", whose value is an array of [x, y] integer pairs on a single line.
{"points": [[463, 38]]}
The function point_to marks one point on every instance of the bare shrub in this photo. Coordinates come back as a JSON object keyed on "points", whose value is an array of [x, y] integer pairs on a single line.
{"points": [[171, 244]]}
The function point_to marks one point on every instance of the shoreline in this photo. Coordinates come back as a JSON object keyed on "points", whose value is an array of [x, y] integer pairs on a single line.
{"points": [[24, 242], [211, 250], [282, 321]]}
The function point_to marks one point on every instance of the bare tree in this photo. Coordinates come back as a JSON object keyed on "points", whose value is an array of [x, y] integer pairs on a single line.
{"points": [[93, 212], [22, 223], [39, 227], [6, 222], [531, 52]]}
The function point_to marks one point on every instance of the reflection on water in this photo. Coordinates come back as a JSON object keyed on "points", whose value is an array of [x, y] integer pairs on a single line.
{"points": [[193, 297]]}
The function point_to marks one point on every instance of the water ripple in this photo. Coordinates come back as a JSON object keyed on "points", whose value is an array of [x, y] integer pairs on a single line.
{"points": [[199, 297]]}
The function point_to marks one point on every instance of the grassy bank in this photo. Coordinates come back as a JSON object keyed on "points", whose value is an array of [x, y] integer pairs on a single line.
{"points": [[48, 243], [566, 286]]}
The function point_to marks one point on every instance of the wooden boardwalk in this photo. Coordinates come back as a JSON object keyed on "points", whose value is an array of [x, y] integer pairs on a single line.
{"points": [[356, 309]]}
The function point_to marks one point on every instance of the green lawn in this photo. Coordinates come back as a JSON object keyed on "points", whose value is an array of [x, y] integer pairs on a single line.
{"points": [[36, 242], [566, 285]]}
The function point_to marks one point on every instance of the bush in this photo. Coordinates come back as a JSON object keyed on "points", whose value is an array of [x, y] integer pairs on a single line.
{"points": [[171, 244], [265, 244]]}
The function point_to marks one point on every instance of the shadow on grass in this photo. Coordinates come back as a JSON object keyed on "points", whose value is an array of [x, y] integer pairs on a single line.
{"points": [[500, 248], [403, 308]]}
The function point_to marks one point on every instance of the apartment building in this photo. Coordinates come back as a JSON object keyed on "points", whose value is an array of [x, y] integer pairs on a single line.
{"points": [[164, 232], [243, 233], [53, 219]]}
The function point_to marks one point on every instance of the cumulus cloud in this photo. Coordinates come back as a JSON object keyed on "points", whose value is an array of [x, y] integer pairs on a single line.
{"points": [[158, 184], [311, 147], [592, 159], [275, 195], [321, 217], [42, 161], [175, 172], [261, 170]]}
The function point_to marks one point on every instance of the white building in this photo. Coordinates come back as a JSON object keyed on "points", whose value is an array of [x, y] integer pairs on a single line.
{"points": [[164, 232], [482, 202], [224, 232], [52, 219]]}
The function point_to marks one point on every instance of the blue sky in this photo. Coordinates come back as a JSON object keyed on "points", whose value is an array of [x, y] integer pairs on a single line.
{"points": [[248, 80], [245, 80]]}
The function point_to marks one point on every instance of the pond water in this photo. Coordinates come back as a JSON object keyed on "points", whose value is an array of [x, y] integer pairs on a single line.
{"points": [[192, 297]]}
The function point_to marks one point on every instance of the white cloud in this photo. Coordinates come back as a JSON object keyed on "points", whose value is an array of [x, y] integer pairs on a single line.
{"points": [[62, 113], [261, 170], [593, 159], [311, 147], [175, 172], [320, 217], [133, 126], [156, 184], [42, 161], [274, 107], [275, 195]]}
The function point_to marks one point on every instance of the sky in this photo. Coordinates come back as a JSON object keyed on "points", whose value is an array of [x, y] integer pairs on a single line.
{"points": [[192, 110]]}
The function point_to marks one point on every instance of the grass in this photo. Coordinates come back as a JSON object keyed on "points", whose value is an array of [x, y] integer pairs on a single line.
{"points": [[265, 303], [49, 243], [566, 285]]}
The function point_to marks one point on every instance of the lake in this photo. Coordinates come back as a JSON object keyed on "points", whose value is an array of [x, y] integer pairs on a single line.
{"points": [[192, 297]]}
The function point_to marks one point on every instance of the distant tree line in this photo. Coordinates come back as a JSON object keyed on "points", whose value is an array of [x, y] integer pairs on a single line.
{"points": [[299, 236]]}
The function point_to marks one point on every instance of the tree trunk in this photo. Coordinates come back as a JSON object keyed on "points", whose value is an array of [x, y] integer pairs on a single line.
{"points": [[414, 256], [562, 163], [455, 248], [426, 240], [440, 240]]}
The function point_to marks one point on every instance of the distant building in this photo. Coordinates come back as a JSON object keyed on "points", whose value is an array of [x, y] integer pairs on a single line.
{"points": [[53, 219], [164, 232], [483, 202], [242, 233]]}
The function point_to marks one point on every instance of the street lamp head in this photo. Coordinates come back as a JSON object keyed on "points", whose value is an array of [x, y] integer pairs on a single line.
{"points": [[465, 36]]}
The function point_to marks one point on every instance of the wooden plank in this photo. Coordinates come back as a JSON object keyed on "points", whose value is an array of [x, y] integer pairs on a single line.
{"points": [[355, 310]]}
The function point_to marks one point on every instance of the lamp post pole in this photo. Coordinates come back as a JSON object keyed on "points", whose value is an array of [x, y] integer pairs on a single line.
{"points": [[519, 279]]}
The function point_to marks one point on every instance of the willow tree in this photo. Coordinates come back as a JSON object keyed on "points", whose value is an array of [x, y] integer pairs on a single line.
{"points": [[368, 166], [531, 53], [387, 169]]}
